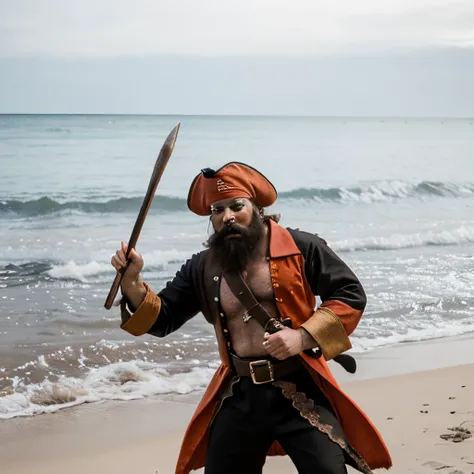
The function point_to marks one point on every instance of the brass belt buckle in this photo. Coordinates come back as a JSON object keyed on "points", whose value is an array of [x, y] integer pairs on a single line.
{"points": [[261, 363]]}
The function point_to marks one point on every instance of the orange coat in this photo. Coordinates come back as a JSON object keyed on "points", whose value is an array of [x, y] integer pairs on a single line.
{"points": [[330, 325]]}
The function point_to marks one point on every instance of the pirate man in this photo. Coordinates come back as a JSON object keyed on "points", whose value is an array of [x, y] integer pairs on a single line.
{"points": [[256, 283]]}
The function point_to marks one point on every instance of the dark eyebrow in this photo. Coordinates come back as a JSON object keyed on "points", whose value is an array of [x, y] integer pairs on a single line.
{"points": [[232, 203]]}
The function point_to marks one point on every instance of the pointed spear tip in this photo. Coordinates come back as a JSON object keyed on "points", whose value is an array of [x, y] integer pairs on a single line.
{"points": [[176, 128], [170, 141]]}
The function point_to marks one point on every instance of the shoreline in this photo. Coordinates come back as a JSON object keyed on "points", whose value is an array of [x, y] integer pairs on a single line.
{"points": [[409, 357], [88, 388], [145, 435]]}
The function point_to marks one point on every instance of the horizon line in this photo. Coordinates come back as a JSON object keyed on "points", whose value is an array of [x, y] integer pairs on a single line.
{"points": [[241, 115]]}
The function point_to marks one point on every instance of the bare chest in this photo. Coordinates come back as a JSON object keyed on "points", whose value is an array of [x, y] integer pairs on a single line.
{"points": [[258, 280], [247, 337]]}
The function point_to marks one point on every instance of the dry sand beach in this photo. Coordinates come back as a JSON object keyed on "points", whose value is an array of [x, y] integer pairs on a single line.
{"points": [[416, 408]]}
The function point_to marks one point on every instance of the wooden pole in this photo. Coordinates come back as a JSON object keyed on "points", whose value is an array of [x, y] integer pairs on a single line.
{"points": [[160, 164]]}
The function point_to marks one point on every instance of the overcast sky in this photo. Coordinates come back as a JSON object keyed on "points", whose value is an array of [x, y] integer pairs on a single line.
{"points": [[309, 57]]}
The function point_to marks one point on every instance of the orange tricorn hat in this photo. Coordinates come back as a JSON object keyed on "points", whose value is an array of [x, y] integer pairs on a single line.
{"points": [[232, 180]]}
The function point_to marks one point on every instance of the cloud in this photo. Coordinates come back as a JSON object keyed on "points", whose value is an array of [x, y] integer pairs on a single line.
{"points": [[105, 28]]}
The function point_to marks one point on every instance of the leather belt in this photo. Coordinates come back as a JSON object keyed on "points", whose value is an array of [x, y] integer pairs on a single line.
{"points": [[265, 370]]}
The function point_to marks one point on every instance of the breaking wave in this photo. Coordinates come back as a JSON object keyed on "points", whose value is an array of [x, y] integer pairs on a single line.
{"points": [[459, 236], [367, 194], [381, 191], [47, 270], [46, 205], [120, 381]]}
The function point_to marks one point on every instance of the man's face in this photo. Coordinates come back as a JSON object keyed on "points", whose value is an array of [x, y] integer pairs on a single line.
{"points": [[238, 230], [236, 211]]}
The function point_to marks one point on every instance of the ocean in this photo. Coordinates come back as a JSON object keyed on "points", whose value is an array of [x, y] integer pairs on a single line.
{"points": [[393, 197]]}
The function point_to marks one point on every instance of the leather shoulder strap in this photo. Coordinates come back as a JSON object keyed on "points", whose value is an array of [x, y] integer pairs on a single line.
{"points": [[253, 308]]}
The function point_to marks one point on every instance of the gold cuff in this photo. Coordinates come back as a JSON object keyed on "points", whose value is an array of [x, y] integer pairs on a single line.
{"points": [[144, 317], [328, 331]]}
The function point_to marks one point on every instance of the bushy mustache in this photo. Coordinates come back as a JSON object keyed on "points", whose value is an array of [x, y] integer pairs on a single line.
{"points": [[219, 236], [232, 229]]}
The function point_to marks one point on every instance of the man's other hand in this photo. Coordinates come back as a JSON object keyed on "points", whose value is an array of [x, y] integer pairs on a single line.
{"points": [[284, 343]]}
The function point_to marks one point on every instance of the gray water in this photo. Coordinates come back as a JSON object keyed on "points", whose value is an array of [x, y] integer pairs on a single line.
{"points": [[393, 197]]}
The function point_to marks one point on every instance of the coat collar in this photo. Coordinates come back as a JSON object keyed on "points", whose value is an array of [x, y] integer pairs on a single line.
{"points": [[281, 241]]}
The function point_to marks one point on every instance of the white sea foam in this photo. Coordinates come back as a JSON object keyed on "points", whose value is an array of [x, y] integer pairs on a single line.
{"points": [[382, 191], [119, 381], [461, 235], [84, 271], [139, 378], [77, 271], [433, 330]]}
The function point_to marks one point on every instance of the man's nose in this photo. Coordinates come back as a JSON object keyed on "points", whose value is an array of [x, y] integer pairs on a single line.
{"points": [[229, 216]]}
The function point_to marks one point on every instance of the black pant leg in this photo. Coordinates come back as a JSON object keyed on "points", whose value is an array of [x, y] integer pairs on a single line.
{"points": [[240, 436], [311, 450]]}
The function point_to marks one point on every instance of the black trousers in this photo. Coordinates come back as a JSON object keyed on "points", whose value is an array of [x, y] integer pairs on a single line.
{"points": [[256, 415]]}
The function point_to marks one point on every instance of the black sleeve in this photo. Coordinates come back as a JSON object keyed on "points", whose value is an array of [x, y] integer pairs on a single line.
{"points": [[328, 276], [179, 299]]}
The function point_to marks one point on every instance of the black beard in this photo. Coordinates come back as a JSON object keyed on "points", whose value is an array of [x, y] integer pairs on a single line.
{"points": [[234, 253]]}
